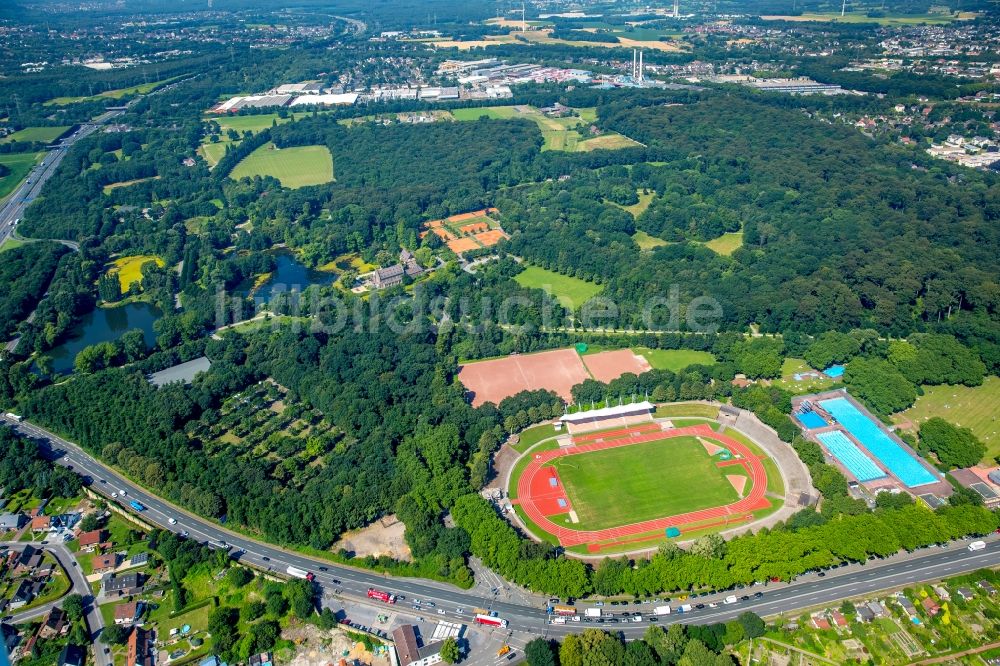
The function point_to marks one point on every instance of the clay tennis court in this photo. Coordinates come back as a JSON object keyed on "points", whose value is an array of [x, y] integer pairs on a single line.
{"points": [[462, 217], [610, 365], [474, 228], [461, 245], [492, 381], [491, 237], [535, 478], [443, 233]]}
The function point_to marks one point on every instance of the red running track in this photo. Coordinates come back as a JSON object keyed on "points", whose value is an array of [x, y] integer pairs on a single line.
{"points": [[615, 434], [569, 537]]}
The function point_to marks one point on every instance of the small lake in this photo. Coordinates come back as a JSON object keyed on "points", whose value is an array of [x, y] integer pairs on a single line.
{"points": [[104, 325], [289, 275]]}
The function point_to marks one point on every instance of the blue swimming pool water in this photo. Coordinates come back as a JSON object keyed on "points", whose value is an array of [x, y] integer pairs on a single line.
{"points": [[834, 371], [860, 465], [811, 420], [906, 468]]}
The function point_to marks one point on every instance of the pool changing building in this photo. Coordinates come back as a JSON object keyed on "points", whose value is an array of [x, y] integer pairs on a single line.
{"points": [[870, 454]]}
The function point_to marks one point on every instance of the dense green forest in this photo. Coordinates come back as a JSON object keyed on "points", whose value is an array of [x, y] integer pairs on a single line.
{"points": [[24, 467], [25, 271]]}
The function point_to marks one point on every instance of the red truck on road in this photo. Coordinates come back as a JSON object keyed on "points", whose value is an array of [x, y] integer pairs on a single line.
{"points": [[384, 597], [490, 621]]}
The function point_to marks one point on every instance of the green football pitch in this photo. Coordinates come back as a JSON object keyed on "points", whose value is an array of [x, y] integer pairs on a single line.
{"points": [[630, 484], [294, 167]]}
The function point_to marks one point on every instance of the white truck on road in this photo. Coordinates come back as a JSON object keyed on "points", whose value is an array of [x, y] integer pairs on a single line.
{"points": [[977, 545], [592, 612], [661, 610], [731, 599]]}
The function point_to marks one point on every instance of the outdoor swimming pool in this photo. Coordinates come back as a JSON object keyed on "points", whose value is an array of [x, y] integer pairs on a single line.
{"points": [[856, 462], [906, 468], [811, 420]]}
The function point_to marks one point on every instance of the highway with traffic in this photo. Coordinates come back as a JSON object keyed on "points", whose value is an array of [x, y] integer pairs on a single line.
{"points": [[351, 584], [13, 208]]}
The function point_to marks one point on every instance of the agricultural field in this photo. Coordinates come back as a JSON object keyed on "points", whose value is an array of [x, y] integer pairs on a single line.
{"points": [[293, 167], [572, 292], [620, 487], [726, 244], [19, 164], [42, 134], [970, 407], [129, 269]]}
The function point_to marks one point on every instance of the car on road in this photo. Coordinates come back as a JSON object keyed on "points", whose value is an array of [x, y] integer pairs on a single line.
{"points": [[459, 610], [429, 604], [323, 569], [114, 495], [758, 595], [745, 598], [172, 521], [440, 611], [268, 559]]}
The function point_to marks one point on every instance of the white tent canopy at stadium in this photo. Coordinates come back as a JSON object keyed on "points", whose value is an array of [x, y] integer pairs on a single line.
{"points": [[631, 409]]}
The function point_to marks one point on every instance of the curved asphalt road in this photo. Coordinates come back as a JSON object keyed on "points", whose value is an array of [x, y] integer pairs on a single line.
{"points": [[807, 592], [95, 623]]}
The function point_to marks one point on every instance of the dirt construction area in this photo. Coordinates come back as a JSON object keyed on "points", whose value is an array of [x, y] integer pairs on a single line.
{"points": [[314, 647], [383, 537]]}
